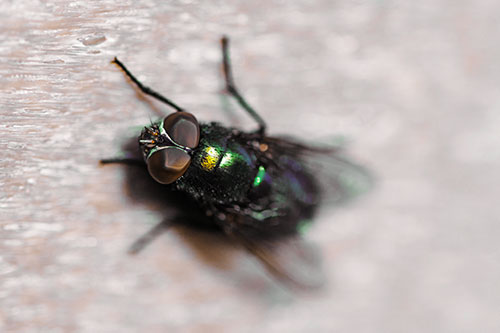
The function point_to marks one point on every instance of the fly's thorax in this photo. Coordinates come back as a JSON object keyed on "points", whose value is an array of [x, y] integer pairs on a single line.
{"points": [[223, 166]]}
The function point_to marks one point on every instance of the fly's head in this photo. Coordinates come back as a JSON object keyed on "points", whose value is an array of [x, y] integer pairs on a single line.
{"points": [[167, 146]]}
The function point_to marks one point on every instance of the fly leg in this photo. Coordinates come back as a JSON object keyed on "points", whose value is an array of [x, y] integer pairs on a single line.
{"points": [[231, 87], [146, 90], [148, 237], [125, 160]]}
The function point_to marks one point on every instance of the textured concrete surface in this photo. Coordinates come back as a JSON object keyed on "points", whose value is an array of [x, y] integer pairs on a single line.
{"points": [[413, 86]]}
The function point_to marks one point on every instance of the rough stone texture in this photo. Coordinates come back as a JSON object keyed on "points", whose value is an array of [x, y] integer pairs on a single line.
{"points": [[413, 85]]}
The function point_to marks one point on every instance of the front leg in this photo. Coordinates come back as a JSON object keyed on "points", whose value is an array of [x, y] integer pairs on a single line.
{"points": [[124, 160]]}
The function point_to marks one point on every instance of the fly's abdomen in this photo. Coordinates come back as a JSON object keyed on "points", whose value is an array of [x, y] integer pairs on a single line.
{"points": [[284, 196]]}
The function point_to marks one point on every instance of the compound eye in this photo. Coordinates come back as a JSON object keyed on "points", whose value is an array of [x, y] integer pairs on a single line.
{"points": [[183, 128], [168, 164]]}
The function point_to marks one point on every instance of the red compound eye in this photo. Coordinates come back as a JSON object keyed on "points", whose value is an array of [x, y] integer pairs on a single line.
{"points": [[183, 128]]}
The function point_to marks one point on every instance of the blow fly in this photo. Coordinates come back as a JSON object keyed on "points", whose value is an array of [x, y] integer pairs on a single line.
{"points": [[258, 189]]}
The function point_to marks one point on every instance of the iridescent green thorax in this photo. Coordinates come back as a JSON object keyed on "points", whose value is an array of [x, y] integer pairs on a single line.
{"points": [[212, 156], [222, 167]]}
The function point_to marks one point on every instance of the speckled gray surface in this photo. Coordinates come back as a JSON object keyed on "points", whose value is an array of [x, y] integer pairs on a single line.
{"points": [[413, 86]]}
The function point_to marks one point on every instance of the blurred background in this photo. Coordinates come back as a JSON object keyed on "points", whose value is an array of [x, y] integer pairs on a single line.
{"points": [[411, 87]]}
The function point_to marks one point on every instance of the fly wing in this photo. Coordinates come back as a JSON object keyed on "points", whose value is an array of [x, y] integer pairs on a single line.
{"points": [[297, 178], [290, 260], [340, 179]]}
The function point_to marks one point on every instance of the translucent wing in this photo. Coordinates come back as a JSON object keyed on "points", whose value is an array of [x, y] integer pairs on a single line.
{"points": [[340, 179], [289, 259], [312, 175]]}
